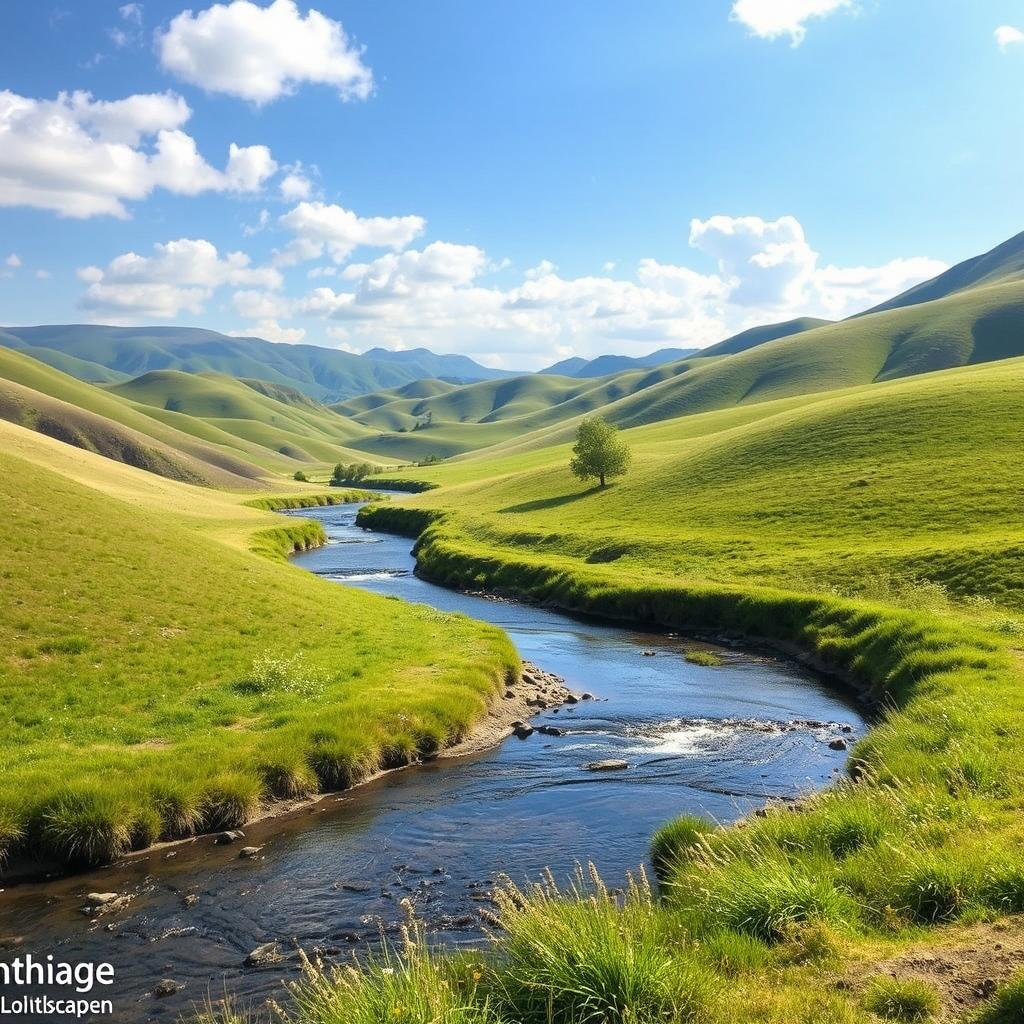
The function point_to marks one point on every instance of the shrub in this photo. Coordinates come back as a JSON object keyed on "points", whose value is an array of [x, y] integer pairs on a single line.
{"points": [[300, 476], [906, 999]]}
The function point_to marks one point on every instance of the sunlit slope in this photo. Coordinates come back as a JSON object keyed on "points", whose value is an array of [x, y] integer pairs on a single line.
{"points": [[134, 704], [999, 265], [44, 399], [908, 480], [982, 324]]}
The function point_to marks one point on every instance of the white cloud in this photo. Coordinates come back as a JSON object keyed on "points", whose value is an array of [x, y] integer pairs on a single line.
{"points": [[771, 19], [608, 266], [43, 275], [771, 270], [262, 53], [320, 226], [14, 260], [439, 295], [295, 185], [131, 13], [180, 276], [543, 269], [261, 222], [1007, 36], [82, 157], [271, 330]]}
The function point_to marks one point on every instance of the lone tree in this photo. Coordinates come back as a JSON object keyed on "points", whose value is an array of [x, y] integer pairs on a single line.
{"points": [[599, 451]]}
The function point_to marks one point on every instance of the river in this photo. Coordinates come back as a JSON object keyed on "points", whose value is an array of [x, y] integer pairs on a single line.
{"points": [[714, 741]]}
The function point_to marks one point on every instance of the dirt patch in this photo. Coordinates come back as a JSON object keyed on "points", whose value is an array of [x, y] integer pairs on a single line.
{"points": [[964, 971]]}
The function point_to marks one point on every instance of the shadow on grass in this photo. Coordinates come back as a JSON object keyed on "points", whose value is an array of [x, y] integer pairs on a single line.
{"points": [[543, 503]]}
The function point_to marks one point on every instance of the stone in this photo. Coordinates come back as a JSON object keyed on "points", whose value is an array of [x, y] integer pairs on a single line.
{"points": [[521, 730], [610, 765], [249, 852], [101, 899], [190, 899], [838, 744], [586, 696], [268, 953], [571, 698], [648, 654], [231, 836], [550, 730], [166, 988]]}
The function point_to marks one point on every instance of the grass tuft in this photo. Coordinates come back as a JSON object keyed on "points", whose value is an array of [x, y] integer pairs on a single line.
{"points": [[902, 999]]}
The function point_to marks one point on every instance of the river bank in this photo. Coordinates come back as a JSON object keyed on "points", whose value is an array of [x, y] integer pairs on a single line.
{"points": [[329, 877]]}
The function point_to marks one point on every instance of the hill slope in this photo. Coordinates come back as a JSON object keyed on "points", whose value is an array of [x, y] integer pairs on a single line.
{"points": [[322, 373], [137, 706], [999, 265]]}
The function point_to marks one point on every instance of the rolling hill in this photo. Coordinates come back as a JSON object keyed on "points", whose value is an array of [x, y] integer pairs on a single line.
{"points": [[207, 429], [103, 354], [973, 325], [606, 364]]}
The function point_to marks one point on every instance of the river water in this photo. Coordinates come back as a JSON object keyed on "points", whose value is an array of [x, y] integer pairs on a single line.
{"points": [[713, 741]]}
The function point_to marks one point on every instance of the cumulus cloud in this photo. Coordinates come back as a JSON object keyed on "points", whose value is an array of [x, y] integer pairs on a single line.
{"points": [[770, 19], [261, 53], [14, 260], [180, 276], [271, 330], [770, 268], [1007, 36], [442, 295], [82, 157], [295, 184], [320, 227]]}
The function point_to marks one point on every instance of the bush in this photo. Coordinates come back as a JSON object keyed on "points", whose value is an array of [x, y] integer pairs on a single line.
{"points": [[901, 999], [300, 476]]}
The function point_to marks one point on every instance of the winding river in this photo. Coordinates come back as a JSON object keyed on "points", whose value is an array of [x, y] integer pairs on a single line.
{"points": [[714, 741]]}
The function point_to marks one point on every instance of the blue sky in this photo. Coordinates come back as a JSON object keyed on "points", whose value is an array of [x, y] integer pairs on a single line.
{"points": [[519, 182]]}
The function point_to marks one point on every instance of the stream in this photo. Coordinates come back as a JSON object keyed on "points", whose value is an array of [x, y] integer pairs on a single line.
{"points": [[715, 741]]}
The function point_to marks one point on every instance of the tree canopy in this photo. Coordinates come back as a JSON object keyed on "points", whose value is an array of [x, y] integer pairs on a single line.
{"points": [[599, 451]]}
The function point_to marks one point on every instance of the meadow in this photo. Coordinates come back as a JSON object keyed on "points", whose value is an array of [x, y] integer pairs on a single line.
{"points": [[873, 531], [166, 672]]}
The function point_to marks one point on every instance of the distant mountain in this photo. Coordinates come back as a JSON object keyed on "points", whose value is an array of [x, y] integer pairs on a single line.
{"points": [[761, 335], [997, 266], [113, 354], [603, 365]]}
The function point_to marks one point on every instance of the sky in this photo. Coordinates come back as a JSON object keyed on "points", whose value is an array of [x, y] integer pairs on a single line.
{"points": [[520, 182]]}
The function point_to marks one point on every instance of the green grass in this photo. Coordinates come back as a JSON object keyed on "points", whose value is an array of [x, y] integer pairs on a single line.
{"points": [[875, 529], [907, 1000], [1007, 1007], [139, 703]]}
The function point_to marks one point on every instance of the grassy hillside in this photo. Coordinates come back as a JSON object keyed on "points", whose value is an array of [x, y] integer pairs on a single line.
{"points": [[875, 530], [137, 706], [322, 373], [201, 428], [760, 335], [979, 325], [1000, 265]]}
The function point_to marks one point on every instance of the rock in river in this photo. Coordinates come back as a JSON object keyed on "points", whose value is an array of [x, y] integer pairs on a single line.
{"points": [[522, 730], [268, 953], [611, 765], [167, 987], [839, 744]]}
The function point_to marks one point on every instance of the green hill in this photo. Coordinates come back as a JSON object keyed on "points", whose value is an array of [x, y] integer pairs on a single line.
{"points": [[322, 373], [873, 531], [761, 335], [1002, 264], [137, 706]]}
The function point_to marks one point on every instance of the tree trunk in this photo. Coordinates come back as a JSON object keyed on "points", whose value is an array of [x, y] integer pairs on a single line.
{"points": [[601, 475]]}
